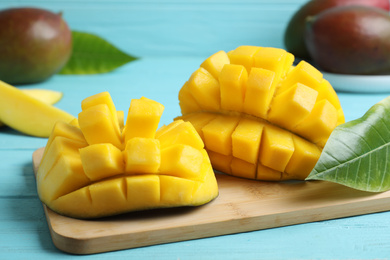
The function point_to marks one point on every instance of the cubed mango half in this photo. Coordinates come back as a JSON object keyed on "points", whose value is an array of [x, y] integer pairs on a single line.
{"points": [[101, 166], [260, 116]]}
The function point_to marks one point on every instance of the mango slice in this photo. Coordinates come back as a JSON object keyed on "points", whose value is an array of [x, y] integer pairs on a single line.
{"points": [[97, 165], [27, 114], [259, 116], [47, 96]]}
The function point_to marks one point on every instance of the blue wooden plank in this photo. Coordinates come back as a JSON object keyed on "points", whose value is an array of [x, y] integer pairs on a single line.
{"points": [[24, 233], [17, 178]]}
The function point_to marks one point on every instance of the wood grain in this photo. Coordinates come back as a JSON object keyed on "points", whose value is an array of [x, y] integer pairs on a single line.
{"points": [[242, 205]]}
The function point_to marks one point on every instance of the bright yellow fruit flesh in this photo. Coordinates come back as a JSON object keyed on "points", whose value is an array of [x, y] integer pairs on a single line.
{"points": [[97, 166], [47, 96], [259, 116], [27, 114]]}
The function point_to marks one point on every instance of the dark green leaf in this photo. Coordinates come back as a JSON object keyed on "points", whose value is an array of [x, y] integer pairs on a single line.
{"points": [[92, 54], [357, 153]]}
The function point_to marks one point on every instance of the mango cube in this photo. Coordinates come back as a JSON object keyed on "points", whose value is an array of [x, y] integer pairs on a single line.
{"points": [[177, 190], [244, 55], [166, 128], [65, 130], [218, 134], [276, 149], [142, 112], [102, 98], [243, 169], [142, 155], [110, 194], [246, 140], [323, 118], [232, 81], [182, 161], [65, 176], [215, 63], [59, 146], [98, 126], [182, 133], [199, 120], [304, 158], [101, 161], [205, 89], [297, 102], [259, 92], [143, 191], [274, 59], [303, 73]]}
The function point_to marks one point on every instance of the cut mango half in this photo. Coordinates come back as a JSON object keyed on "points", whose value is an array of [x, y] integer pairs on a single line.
{"points": [[259, 116], [97, 166]]}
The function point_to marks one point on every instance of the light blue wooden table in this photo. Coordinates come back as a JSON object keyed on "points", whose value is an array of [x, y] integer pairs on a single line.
{"points": [[172, 38]]}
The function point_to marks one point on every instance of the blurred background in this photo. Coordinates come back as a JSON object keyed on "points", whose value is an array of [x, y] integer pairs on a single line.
{"points": [[175, 27], [171, 38]]}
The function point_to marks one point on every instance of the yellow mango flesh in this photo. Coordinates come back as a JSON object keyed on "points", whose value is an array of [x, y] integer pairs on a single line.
{"points": [[182, 133], [259, 92], [90, 174], [217, 134], [246, 140], [244, 55], [136, 118], [191, 104], [27, 114], [297, 102], [215, 63], [182, 161], [205, 89], [142, 155], [271, 119], [102, 98], [101, 161], [232, 80], [98, 126], [47, 96]]}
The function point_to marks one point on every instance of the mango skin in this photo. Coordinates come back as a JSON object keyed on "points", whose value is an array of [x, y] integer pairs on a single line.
{"points": [[294, 33], [350, 40], [34, 45]]}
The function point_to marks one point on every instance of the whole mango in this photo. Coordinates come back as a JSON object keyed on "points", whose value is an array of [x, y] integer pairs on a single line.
{"points": [[350, 40], [294, 34], [34, 45]]}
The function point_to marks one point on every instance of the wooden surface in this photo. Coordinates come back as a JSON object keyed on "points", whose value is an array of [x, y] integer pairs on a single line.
{"points": [[242, 205]]}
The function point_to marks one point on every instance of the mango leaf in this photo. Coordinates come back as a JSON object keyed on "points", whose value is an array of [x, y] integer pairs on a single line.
{"points": [[92, 55], [357, 153]]}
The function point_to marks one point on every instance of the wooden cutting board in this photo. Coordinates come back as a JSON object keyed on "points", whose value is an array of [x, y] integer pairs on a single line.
{"points": [[242, 205]]}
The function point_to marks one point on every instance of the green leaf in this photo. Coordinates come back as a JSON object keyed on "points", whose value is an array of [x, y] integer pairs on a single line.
{"points": [[92, 55], [357, 153]]}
